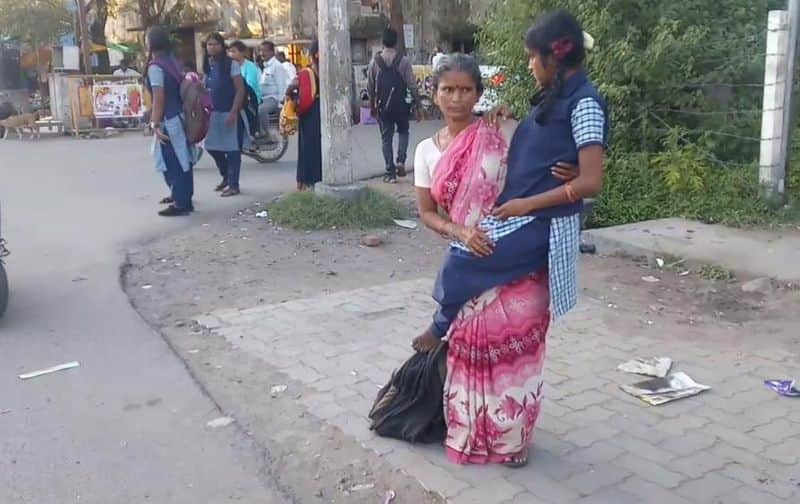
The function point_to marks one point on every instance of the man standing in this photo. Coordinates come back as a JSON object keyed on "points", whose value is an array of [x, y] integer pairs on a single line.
{"points": [[291, 70], [438, 55], [391, 79], [274, 82], [125, 70]]}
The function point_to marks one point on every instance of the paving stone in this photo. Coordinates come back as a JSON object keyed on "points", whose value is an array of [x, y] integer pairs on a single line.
{"points": [[678, 426], [588, 416], [750, 495], [690, 442], [550, 423], [553, 466], [731, 454], [543, 487], [698, 464], [735, 438], [438, 480], [651, 493], [600, 452], [634, 426], [610, 495], [598, 477], [584, 399], [777, 431], [761, 480], [498, 491], [528, 498], [709, 487], [787, 452], [642, 449], [587, 436], [650, 471], [548, 442]]}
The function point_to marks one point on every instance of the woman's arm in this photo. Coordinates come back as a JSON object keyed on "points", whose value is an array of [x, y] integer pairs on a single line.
{"points": [[587, 184], [474, 238]]}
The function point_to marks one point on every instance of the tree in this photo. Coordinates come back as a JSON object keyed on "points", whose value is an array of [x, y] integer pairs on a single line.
{"points": [[35, 22], [156, 13], [99, 11]]}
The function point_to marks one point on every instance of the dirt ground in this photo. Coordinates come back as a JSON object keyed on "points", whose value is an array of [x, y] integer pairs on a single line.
{"points": [[244, 261]]}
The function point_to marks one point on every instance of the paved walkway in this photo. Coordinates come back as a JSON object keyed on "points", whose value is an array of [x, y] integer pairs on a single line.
{"points": [[738, 443]]}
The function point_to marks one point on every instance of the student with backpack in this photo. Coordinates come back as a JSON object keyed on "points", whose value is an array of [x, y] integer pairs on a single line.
{"points": [[227, 129], [174, 152], [391, 80]]}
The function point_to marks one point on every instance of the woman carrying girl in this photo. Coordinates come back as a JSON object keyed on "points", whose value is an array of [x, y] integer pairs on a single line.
{"points": [[173, 155], [515, 226], [227, 130]]}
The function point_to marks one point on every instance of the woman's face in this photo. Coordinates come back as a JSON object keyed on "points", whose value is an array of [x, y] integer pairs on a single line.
{"points": [[213, 47], [456, 95], [542, 68]]}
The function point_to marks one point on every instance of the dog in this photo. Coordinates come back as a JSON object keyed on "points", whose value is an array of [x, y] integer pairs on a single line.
{"points": [[21, 123]]}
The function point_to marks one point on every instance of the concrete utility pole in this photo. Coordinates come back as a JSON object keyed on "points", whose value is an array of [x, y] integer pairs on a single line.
{"points": [[335, 75], [776, 125], [86, 40]]}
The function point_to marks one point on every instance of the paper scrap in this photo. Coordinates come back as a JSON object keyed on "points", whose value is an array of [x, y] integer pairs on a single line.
{"points": [[651, 279], [54, 369], [362, 486], [262, 215], [408, 224], [658, 391], [220, 422], [655, 366], [277, 390]]}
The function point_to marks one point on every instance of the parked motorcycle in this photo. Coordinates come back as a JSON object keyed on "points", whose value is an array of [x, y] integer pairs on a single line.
{"points": [[269, 146], [3, 278]]}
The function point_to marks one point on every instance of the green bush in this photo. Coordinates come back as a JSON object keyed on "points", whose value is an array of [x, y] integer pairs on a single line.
{"points": [[307, 211], [682, 79]]}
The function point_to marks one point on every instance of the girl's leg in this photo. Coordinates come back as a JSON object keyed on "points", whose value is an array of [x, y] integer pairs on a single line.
{"points": [[220, 159]]}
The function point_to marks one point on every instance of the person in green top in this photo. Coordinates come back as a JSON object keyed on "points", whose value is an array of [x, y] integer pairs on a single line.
{"points": [[250, 71]]}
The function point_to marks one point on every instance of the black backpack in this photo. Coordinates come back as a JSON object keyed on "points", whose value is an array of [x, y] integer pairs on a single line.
{"points": [[391, 90]]}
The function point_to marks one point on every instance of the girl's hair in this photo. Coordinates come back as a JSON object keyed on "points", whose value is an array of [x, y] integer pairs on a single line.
{"points": [[458, 63], [560, 35], [313, 49], [158, 41], [223, 57], [239, 46]]}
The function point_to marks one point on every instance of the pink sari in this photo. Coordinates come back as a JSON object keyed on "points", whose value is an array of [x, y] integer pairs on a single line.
{"points": [[495, 360]]}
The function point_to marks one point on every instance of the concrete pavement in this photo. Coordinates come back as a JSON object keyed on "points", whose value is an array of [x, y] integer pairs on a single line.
{"points": [[738, 443]]}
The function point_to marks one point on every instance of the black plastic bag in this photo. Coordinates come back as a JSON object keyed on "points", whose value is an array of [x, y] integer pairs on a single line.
{"points": [[410, 406]]}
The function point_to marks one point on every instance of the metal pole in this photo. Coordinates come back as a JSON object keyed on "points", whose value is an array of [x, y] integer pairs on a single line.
{"points": [[778, 192]]}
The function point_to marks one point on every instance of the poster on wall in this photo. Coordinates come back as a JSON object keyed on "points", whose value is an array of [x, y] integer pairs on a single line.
{"points": [[117, 100], [369, 7]]}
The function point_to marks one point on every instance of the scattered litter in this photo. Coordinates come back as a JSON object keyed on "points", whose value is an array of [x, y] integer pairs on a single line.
{"points": [[277, 390], [54, 369], [786, 388], [180, 323], [193, 351], [5, 411], [684, 273], [262, 214], [655, 366], [390, 496], [651, 279], [362, 486], [220, 422], [660, 262], [658, 391], [147, 287], [354, 372], [221, 242], [408, 224], [79, 279]]}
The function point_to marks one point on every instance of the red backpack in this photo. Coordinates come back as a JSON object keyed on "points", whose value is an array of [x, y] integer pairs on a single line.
{"points": [[195, 99]]}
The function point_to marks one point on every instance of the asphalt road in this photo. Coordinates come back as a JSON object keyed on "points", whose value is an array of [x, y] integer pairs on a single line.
{"points": [[128, 425]]}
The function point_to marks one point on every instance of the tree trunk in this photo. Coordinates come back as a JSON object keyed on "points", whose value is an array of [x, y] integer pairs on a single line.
{"points": [[244, 29], [395, 10]]}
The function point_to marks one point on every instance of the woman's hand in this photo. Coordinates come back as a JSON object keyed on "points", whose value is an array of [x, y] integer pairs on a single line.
{"points": [[162, 137], [230, 121], [476, 241], [565, 172], [514, 208], [425, 343], [497, 114]]}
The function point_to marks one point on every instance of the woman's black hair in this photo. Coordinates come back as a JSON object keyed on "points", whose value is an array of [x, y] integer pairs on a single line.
{"points": [[158, 41], [556, 33], [313, 49], [224, 58], [458, 63]]}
